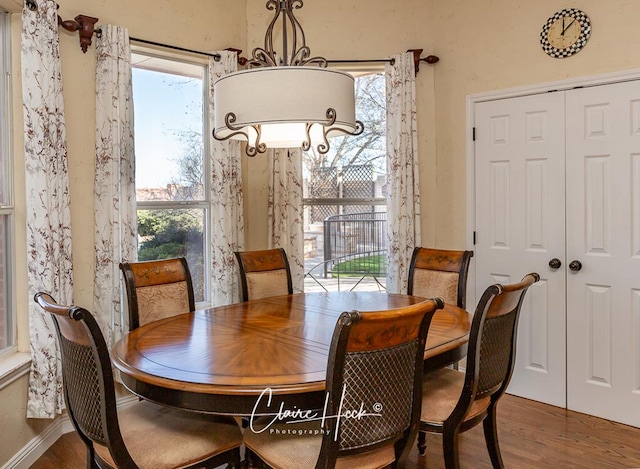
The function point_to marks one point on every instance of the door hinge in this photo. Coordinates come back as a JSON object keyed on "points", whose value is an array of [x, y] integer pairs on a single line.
{"points": [[474, 238], [473, 134]]}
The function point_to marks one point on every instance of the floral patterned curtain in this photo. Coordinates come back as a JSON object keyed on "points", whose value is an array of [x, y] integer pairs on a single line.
{"points": [[48, 218], [114, 186], [227, 220], [286, 217], [403, 195]]}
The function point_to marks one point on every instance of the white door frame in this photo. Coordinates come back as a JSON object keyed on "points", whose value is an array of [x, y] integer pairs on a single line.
{"points": [[471, 101]]}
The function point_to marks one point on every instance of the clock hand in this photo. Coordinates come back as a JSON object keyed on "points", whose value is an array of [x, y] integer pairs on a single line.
{"points": [[567, 27]]}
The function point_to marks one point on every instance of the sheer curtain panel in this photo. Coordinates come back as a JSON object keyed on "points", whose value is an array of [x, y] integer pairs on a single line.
{"points": [[286, 216], [48, 220], [227, 220], [114, 186], [403, 195]]}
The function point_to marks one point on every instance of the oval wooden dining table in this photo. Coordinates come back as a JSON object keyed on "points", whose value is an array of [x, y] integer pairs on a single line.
{"points": [[231, 359]]}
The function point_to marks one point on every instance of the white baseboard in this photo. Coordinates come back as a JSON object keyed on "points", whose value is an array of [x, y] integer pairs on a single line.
{"points": [[24, 458], [29, 454]]}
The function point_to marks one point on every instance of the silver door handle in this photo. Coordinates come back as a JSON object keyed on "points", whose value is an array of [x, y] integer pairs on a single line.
{"points": [[575, 266], [555, 263]]}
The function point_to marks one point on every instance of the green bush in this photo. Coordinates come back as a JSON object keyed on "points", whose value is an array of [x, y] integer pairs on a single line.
{"points": [[167, 233]]}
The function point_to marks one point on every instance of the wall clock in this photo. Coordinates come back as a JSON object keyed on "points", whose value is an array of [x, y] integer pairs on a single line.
{"points": [[565, 33]]}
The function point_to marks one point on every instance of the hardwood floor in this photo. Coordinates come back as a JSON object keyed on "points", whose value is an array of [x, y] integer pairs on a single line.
{"points": [[532, 435]]}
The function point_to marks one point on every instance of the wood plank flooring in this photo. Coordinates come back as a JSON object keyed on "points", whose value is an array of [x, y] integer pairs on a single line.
{"points": [[532, 436]]}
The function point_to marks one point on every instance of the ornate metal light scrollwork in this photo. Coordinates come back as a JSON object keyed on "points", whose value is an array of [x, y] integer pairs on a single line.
{"points": [[291, 54], [323, 146], [251, 150], [240, 111]]}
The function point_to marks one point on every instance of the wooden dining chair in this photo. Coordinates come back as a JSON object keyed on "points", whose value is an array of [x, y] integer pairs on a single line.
{"points": [[157, 289], [264, 273], [439, 273], [453, 401], [142, 434], [374, 370]]}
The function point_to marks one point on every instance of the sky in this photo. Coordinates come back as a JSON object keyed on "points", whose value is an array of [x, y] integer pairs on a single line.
{"points": [[163, 105]]}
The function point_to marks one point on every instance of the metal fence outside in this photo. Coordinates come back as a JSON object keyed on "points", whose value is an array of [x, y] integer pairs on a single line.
{"points": [[355, 243]]}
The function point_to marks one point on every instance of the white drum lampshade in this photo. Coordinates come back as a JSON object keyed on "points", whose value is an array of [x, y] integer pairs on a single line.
{"points": [[281, 101]]}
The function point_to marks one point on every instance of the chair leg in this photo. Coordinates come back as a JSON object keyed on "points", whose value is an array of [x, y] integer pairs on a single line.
{"points": [[251, 461], [91, 460], [450, 449], [422, 442], [491, 437], [236, 462], [91, 464]]}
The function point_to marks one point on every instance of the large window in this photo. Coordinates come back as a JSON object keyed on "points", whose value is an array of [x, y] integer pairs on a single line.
{"points": [[171, 171], [7, 330], [344, 198]]}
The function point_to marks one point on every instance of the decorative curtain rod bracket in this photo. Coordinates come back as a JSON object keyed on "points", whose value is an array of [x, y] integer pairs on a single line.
{"points": [[84, 25], [241, 60], [430, 59]]}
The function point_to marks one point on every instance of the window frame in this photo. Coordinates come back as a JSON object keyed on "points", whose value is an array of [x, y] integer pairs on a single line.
{"points": [[372, 201], [205, 203], [7, 204]]}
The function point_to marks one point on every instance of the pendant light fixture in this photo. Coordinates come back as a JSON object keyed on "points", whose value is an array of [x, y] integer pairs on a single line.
{"points": [[285, 100]]}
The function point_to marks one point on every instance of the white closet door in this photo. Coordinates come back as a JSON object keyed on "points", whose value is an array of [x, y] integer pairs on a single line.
{"points": [[520, 228], [603, 234]]}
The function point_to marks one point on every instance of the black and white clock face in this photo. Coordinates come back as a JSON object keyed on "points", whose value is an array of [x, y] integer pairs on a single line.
{"points": [[565, 33]]}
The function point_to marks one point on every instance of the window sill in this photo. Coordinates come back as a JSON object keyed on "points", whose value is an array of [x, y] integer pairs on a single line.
{"points": [[13, 366]]}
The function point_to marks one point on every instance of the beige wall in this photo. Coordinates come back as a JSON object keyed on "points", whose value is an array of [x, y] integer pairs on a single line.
{"points": [[16, 431], [483, 45]]}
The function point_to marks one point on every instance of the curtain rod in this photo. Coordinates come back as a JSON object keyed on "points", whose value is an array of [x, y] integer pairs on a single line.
{"points": [[153, 43], [430, 59], [360, 61], [85, 27]]}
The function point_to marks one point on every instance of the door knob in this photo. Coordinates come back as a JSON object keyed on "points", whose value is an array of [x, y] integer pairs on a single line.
{"points": [[575, 266], [555, 263]]}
